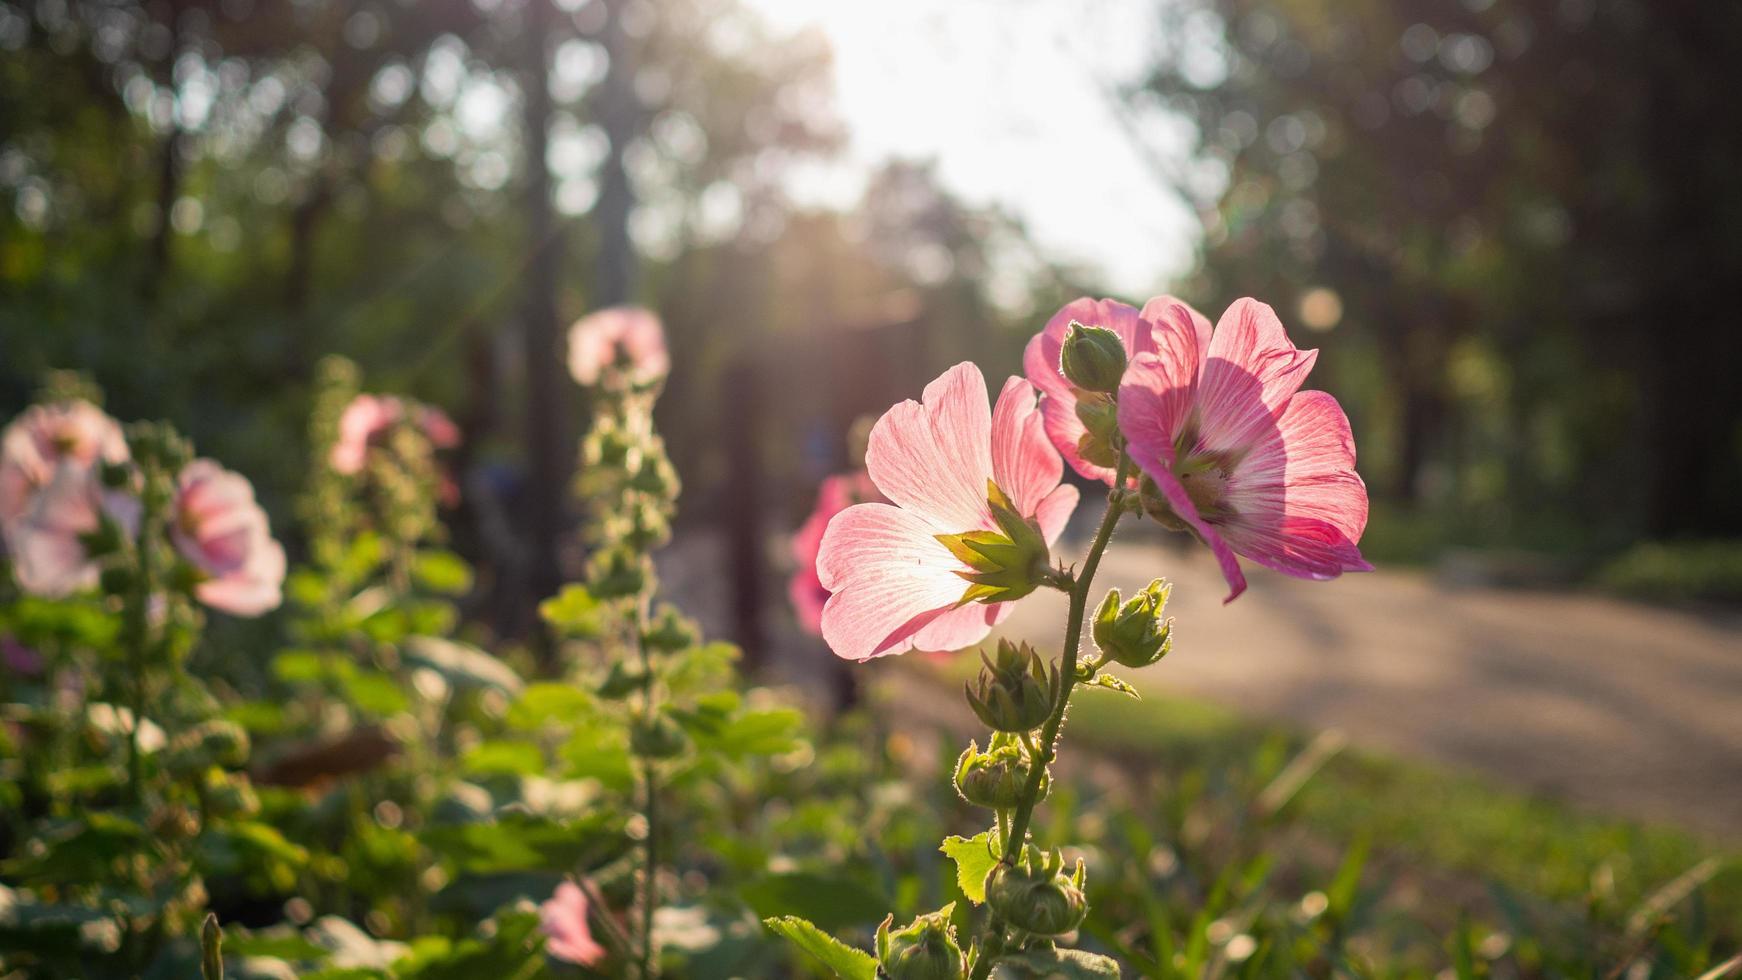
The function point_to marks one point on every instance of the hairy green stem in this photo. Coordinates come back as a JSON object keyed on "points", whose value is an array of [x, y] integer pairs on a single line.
{"points": [[1047, 749], [650, 803]]}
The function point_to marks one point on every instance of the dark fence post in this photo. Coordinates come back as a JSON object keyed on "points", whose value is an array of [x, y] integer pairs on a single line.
{"points": [[742, 511]]}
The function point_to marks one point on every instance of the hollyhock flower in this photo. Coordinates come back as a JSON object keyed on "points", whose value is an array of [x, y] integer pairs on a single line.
{"points": [[36, 443], [895, 585], [47, 542], [563, 920], [1063, 406], [1239, 454], [835, 494], [222, 532], [626, 336], [367, 420]]}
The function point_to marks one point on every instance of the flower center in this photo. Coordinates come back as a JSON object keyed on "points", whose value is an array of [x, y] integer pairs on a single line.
{"points": [[1204, 478]]}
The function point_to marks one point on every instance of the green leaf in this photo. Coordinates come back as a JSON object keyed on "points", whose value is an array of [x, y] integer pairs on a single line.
{"points": [[376, 693], [549, 704], [442, 572], [974, 861], [573, 612], [462, 664], [1112, 683], [1054, 964], [524, 843], [503, 758], [831, 902], [760, 733], [843, 960]]}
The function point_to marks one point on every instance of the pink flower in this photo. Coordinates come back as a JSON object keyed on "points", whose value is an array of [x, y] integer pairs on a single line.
{"points": [[1140, 330], [563, 920], [220, 530], [40, 439], [367, 420], [895, 586], [1250, 463], [835, 494], [47, 541], [625, 336]]}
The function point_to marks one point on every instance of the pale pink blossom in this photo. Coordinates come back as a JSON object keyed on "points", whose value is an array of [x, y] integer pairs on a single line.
{"points": [[894, 585], [37, 441], [626, 337], [366, 421], [222, 532], [1249, 462], [1141, 331], [805, 589], [563, 920], [47, 541]]}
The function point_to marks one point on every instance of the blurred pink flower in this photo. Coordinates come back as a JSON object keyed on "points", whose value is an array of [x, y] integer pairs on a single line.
{"points": [[367, 419], [221, 530], [37, 441], [895, 585], [47, 542], [1140, 330], [834, 494], [628, 335], [1250, 463], [563, 920], [18, 658]]}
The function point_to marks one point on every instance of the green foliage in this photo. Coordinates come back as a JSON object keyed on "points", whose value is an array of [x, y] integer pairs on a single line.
{"points": [[1702, 570], [975, 859], [842, 960]]}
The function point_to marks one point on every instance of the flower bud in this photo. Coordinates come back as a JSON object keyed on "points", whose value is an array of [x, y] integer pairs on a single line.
{"points": [[926, 949], [995, 779], [1006, 564], [1100, 417], [1092, 358], [1015, 691], [1156, 505], [670, 632], [1134, 633], [1038, 898], [617, 573], [657, 737]]}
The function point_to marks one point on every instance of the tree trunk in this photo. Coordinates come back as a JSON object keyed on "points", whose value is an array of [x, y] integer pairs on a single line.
{"points": [[548, 447]]}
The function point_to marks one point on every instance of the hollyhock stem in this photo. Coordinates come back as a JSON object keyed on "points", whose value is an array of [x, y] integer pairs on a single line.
{"points": [[650, 804], [1042, 754]]}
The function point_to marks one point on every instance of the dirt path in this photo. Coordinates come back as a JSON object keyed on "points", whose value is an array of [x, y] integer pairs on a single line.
{"points": [[1624, 707]]}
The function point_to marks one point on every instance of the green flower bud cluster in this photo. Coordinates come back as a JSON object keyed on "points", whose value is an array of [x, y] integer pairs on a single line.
{"points": [[925, 949], [1015, 689], [1037, 896], [1003, 565], [1134, 633], [995, 779], [1100, 441]]}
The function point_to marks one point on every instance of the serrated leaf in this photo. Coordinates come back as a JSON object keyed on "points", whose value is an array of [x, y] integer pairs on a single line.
{"points": [[845, 961], [974, 861], [1112, 683]]}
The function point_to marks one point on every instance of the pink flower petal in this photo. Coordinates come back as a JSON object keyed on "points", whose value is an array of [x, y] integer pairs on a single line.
{"points": [[1040, 362], [1024, 464], [1055, 511], [890, 578], [1251, 371], [1304, 467], [933, 458], [1304, 547]]}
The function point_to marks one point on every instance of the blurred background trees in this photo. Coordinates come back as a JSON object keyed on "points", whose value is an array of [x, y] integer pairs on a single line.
{"points": [[1522, 213], [1516, 221]]}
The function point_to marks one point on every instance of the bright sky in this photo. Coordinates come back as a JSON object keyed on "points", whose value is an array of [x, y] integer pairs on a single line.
{"points": [[1012, 98]]}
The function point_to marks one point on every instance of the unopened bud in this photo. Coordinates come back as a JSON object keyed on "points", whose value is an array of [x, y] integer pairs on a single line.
{"points": [[617, 573], [1014, 692], [1133, 633], [925, 949], [1100, 417], [995, 779], [1039, 897], [1092, 358], [657, 737]]}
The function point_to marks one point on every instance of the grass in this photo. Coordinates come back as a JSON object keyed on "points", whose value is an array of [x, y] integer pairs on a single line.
{"points": [[1422, 816]]}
